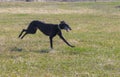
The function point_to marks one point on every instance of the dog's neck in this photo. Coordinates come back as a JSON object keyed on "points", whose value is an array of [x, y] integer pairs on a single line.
{"points": [[59, 27]]}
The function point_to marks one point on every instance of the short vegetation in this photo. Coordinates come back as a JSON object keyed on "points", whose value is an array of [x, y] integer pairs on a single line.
{"points": [[95, 33]]}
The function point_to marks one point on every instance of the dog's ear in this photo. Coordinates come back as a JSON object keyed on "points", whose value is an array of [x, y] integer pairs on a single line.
{"points": [[62, 22]]}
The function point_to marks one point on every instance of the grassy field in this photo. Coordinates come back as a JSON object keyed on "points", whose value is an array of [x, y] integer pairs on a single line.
{"points": [[95, 33]]}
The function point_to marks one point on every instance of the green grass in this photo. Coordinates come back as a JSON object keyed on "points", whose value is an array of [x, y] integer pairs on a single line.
{"points": [[95, 33]]}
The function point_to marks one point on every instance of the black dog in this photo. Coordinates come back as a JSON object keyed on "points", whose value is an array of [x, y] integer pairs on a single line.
{"points": [[50, 30]]}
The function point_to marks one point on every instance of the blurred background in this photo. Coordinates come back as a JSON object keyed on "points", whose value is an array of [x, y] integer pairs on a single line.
{"points": [[62, 0]]}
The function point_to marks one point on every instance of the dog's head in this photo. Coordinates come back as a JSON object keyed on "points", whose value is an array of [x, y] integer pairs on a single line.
{"points": [[64, 26]]}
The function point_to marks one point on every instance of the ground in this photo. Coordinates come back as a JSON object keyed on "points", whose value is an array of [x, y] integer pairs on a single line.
{"points": [[95, 33]]}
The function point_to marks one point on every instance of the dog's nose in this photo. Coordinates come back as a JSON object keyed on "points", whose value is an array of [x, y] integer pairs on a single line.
{"points": [[70, 29]]}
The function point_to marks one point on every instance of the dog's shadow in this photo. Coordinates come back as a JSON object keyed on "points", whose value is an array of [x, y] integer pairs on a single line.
{"points": [[17, 49], [44, 51]]}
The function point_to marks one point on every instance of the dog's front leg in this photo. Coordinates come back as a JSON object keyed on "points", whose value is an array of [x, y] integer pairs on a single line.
{"points": [[60, 35], [51, 42]]}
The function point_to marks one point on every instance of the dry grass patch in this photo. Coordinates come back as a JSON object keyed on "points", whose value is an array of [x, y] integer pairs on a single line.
{"points": [[22, 10]]}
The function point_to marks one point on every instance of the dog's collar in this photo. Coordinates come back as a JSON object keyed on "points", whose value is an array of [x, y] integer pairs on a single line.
{"points": [[59, 27]]}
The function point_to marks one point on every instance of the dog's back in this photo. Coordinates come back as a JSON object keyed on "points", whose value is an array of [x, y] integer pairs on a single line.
{"points": [[43, 27]]}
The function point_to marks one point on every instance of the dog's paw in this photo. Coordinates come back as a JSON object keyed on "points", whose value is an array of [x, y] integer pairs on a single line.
{"points": [[72, 46]]}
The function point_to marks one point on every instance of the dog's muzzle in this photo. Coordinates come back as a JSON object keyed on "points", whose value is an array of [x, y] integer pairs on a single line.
{"points": [[67, 29]]}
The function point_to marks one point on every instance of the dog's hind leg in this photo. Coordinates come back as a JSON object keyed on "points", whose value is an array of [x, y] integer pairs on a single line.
{"points": [[22, 33]]}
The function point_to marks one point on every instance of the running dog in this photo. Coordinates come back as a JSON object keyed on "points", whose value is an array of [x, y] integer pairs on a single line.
{"points": [[50, 30]]}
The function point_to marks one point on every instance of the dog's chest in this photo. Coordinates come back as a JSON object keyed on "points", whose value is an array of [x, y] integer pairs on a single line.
{"points": [[49, 30]]}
